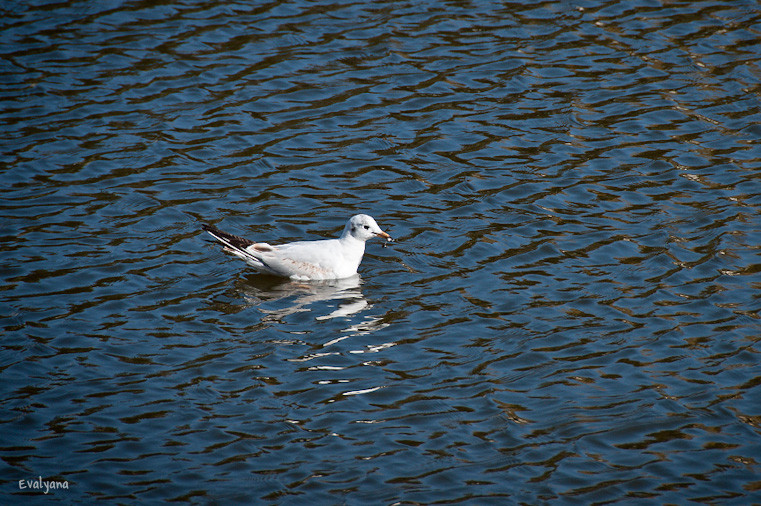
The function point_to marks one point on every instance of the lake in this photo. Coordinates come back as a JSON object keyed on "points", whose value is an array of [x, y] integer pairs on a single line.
{"points": [[569, 314]]}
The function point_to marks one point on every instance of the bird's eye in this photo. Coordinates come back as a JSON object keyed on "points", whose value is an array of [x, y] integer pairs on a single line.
{"points": [[367, 227]]}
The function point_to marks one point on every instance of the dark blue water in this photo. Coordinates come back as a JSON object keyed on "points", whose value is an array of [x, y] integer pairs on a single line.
{"points": [[570, 314]]}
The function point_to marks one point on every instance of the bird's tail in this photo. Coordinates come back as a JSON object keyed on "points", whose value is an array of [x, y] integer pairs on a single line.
{"points": [[237, 246]]}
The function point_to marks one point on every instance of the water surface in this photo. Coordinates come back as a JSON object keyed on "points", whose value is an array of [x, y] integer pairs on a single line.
{"points": [[570, 313]]}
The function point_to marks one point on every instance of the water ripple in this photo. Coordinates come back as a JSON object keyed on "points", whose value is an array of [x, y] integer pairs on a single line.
{"points": [[569, 312]]}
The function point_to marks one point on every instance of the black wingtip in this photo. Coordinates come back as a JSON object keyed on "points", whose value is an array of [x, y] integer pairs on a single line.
{"points": [[229, 239]]}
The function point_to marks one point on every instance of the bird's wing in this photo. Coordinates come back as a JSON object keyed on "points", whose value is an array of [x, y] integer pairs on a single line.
{"points": [[301, 260], [239, 246]]}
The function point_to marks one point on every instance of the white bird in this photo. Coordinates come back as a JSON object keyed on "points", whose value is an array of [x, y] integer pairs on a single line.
{"points": [[306, 260]]}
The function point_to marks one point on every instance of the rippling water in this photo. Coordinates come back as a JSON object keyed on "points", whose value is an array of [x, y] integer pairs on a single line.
{"points": [[570, 313]]}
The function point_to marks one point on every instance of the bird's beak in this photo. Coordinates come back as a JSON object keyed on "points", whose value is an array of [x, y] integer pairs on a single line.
{"points": [[384, 235]]}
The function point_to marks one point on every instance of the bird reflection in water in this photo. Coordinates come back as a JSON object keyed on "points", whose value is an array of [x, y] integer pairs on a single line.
{"points": [[304, 296], [328, 300]]}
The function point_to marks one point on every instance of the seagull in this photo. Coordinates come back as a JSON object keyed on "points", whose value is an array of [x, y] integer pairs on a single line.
{"points": [[306, 260]]}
